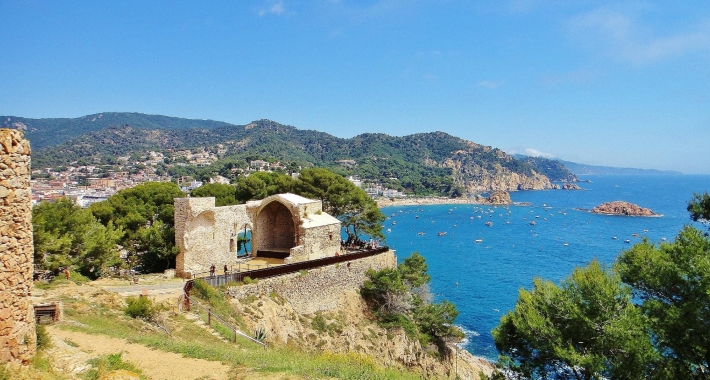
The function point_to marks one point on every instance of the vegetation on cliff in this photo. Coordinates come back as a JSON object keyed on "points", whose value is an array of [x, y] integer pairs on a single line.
{"points": [[645, 318], [553, 169], [400, 298]]}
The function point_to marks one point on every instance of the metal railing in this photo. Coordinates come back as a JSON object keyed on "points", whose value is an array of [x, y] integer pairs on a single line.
{"points": [[278, 270], [191, 302]]}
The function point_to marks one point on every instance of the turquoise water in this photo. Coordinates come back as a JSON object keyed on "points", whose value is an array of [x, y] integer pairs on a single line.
{"points": [[483, 278]]}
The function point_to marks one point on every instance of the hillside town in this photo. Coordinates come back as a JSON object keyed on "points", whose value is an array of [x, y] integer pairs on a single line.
{"points": [[87, 184]]}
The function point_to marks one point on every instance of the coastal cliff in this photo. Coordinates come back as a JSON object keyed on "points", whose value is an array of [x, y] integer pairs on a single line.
{"points": [[481, 168], [350, 328], [622, 208]]}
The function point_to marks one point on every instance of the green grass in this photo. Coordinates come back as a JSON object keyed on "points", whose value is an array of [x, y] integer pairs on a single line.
{"points": [[193, 341], [74, 277], [102, 365]]}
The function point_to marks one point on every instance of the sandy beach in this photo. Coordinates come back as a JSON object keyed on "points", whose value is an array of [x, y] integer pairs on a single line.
{"points": [[411, 201]]}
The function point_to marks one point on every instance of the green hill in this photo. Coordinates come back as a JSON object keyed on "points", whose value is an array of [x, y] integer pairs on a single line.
{"points": [[424, 163]]}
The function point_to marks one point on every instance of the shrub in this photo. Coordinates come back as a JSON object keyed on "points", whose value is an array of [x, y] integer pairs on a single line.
{"points": [[318, 323], [140, 307]]}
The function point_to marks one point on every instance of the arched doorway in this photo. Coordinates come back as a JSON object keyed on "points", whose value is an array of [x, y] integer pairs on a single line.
{"points": [[276, 231]]}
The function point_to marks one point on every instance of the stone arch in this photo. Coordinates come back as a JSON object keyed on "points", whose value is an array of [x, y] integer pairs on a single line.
{"points": [[276, 230]]}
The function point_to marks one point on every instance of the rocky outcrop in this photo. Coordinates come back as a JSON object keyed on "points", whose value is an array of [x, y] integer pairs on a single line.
{"points": [[622, 208], [499, 197], [481, 169], [350, 328], [571, 186], [17, 325]]}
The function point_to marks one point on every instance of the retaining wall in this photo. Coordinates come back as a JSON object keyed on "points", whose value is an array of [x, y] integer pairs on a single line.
{"points": [[318, 289]]}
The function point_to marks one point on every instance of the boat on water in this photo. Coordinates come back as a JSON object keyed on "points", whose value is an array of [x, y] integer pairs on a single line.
{"points": [[627, 241], [389, 230], [489, 224], [615, 238], [420, 233], [394, 222], [663, 239], [479, 240], [441, 233], [565, 244], [532, 223]]}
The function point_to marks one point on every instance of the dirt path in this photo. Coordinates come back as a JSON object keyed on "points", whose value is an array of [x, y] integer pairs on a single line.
{"points": [[155, 364]]}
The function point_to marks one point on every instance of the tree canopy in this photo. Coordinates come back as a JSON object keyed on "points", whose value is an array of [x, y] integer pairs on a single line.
{"points": [[699, 207], [65, 235], [673, 281], [145, 213], [585, 328], [399, 297], [357, 212]]}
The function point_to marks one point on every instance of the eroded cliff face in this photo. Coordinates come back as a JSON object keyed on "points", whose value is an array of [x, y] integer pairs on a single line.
{"points": [[484, 169], [350, 328]]}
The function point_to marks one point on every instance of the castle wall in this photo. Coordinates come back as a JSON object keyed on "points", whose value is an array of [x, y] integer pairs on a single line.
{"points": [[206, 235], [17, 325], [203, 234], [323, 241], [320, 288]]}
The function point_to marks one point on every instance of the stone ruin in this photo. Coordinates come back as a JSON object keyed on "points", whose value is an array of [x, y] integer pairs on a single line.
{"points": [[17, 323], [283, 226]]}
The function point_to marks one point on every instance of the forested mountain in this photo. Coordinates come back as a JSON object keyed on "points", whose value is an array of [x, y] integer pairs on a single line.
{"points": [[553, 169], [423, 163], [48, 132], [583, 169]]}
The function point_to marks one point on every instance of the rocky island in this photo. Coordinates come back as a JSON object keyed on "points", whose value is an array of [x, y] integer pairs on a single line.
{"points": [[622, 208], [498, 197]]}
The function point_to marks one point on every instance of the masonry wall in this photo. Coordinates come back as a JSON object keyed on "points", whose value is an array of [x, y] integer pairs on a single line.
{"points": [[17, 326], [320, 288], [323, 241], [203, 234]]}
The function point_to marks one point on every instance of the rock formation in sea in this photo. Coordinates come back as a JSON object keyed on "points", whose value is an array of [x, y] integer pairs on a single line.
{"points": [[571, 186], [622, 208], [498, 197]]}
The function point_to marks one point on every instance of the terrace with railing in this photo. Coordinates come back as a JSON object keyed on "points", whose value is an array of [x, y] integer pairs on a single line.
{"points": [[239, 272]]}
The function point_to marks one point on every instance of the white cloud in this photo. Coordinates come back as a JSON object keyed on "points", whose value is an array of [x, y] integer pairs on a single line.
{"points": [[537, 153], [274, 8], [491, 85], [619, 33]]}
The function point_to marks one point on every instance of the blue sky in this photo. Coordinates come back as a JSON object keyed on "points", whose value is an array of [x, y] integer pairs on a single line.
{"points": [[619, 83]]}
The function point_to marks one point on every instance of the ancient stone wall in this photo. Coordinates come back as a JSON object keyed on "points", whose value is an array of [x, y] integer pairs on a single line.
{"points": [[17, 326], [206, 235], [319, 289]]}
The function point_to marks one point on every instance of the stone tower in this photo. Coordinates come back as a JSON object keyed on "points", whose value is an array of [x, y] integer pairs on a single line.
{"points": [[17, 324]]}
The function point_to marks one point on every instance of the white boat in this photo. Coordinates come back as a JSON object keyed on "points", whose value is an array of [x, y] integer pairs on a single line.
{"points": [[479, 240]]}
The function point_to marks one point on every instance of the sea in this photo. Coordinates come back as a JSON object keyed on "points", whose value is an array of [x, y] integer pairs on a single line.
{"points": [[481, 266]]}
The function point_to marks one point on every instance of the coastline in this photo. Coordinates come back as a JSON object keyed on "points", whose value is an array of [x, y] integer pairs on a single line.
{"points": [[411, 201]]}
